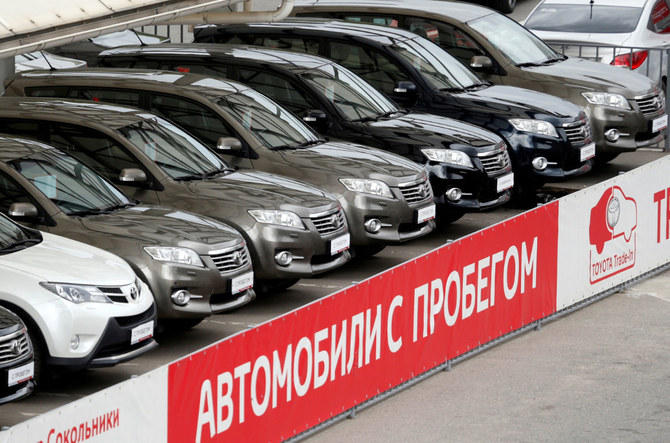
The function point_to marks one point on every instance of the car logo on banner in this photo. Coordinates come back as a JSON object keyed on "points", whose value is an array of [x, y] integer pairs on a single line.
{"points": [[612, 234]]}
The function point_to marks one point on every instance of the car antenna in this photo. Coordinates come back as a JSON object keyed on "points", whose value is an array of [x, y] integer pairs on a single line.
{"points": [[591, 13], [142, 42], [44, 54]]}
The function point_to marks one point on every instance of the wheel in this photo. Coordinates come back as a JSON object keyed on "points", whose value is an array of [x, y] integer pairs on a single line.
{"points": [[263, 287], [605, 157], [39, 356], [358, 252], [179, 324], [447, 216], [505, 6]]}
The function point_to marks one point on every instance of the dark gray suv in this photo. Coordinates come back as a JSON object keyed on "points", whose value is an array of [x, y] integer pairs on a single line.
{"points": [[292, 230], [385, 197]]}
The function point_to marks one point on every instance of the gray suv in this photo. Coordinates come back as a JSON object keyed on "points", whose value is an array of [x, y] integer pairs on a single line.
{"points": [[292, 230], [386, 198], [194, 266]]}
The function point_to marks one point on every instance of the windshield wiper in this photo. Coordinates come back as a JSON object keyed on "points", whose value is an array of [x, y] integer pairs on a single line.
{"points": [[560, 58], [86, 212], [117, 207], [20, 244]]}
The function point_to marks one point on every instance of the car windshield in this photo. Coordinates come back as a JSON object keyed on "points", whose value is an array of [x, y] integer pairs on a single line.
{"points": [[73, 187], [13, 237], [181, 156], [439, 67], [513, 40], [273, 125], [352, 96], [592, 19]]}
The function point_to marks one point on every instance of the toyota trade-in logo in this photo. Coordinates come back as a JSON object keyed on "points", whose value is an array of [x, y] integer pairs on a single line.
{"points": [[612, 234]]}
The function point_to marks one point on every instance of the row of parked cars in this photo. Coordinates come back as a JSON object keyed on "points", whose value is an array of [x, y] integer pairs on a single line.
{"points": [[265, 153]]}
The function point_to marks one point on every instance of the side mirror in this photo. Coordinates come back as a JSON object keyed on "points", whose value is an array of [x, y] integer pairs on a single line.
{"points": [[228, 144], [23, 210], [317, 120], [405, 93], [133, 175], [480, 63]]}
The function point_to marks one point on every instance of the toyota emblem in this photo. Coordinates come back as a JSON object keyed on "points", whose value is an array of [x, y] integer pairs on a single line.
{"points": [[133, 293], [15, 348], [237, 258], [334, 220]]}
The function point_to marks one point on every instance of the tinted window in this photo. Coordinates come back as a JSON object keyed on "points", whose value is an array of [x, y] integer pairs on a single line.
{"points": [[279, 88], [41, 91], [454, 40], [11, 192], [121, 97], [594, 18], [295, 44], [193, 117], [373, 66]]}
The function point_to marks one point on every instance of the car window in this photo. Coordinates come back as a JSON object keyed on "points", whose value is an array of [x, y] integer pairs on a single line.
{"points": [[454, 40], [118, 96], [101, 152], [660, 17], [377, 19], [279, 88], [50, 91], [295, 44], [584, 18], [373, 66], [209, 70], [68, 183], [11, 192], [194, 117]]}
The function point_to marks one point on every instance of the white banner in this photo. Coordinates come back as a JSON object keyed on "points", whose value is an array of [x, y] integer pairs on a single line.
{"points": [[613, 231], [131, 411]]}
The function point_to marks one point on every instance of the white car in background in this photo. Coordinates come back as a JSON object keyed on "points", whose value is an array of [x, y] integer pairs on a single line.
{"points": [[628, 33], [45, 60], [83, 307]]}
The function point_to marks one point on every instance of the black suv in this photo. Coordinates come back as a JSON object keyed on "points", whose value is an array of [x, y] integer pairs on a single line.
{"points": [[469, 167], [549, 138]]}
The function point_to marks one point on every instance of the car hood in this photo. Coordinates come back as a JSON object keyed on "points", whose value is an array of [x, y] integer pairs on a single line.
{"points": [[344, 159], [443, 130], [58, 259], [154, 225], [519, 102], [244, 190], [585, 75]]}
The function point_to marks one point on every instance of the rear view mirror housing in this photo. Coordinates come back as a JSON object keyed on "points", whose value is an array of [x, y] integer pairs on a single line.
{"points": [[405, 93]]}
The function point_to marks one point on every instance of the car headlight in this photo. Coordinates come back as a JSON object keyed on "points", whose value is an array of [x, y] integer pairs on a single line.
{"points": [[535, 126], [607, 99], [367, 186], [184, 256], [274, 217], [76, 293], [450, 156]]}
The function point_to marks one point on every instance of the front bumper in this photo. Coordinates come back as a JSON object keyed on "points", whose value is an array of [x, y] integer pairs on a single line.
{"points": [[310, 250], [635, 128], [399, 221], [18, 390], [114, 345], [210, 290]]}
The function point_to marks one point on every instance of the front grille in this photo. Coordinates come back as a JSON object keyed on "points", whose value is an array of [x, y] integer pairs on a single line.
{"points": [[578, 133], [14, 346], [495, 162], [231, 260], [136, 319], [329, 222], [114, 294], [416, 192], [650, 104]]}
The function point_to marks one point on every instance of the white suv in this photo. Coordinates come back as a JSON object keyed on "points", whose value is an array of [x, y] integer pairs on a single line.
{"points": [[83, 307]]}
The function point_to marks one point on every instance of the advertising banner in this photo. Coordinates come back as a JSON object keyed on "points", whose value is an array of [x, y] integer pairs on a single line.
{"points": [[285, 376], [134, 410], [613, 232]]}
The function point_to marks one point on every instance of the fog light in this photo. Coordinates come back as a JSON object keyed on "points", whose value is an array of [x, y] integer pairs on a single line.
{"points": [[612, 135], [284, 258], [454, 194], [373, 225], [181, 297], [540, 163], [74, 342]]}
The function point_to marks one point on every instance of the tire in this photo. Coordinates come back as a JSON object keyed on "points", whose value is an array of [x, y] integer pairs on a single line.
{"points": [[360, 252], [505, 6], [39, 356]]}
